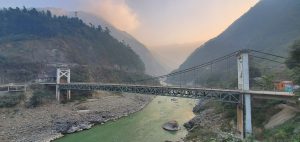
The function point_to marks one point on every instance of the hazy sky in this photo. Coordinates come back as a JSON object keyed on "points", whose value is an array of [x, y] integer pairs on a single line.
{"points": [[156, 22]]}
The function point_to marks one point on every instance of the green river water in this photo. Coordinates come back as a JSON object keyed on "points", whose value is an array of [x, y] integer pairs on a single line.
{"points": [[143, 126]]}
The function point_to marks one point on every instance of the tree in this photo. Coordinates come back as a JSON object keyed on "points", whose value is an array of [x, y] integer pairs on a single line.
{"points": [[107, 31], [49, 14], [293, 61], [99, 28], [266, 82]]}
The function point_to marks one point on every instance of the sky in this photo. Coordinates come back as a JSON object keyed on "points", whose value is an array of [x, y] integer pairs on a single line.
{"points": [[156, 23]]}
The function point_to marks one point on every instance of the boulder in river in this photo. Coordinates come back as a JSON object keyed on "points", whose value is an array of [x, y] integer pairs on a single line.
{"points": [[174, 99], [171, 126]]}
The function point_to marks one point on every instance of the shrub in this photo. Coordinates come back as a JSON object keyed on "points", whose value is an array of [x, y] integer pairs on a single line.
{"points": [[11, 99], [39, 97], [285, 132]]}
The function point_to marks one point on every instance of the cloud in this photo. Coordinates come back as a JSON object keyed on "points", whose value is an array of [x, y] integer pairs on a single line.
{"points": [[117, 12]]}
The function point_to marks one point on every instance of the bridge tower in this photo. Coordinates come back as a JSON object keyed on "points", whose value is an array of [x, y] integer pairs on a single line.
{"points": [[244, 122], [62, 73]]}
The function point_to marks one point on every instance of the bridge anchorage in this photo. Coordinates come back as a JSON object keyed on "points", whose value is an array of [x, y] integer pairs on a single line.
{"points": [[241, 97]]}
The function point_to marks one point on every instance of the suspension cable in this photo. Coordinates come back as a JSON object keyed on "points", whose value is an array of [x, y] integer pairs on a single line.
{"points": [[267, 54], [193, 68], [267, 59]]}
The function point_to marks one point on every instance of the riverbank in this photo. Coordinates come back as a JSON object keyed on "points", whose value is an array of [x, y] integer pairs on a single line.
{"points": [[211, 123], [49, 121], [273, 121], [143, 126]]}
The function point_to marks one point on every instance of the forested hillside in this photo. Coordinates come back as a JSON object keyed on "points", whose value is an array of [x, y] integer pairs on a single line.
{"points": [[152, 65], [30, 41], [270, 26]]}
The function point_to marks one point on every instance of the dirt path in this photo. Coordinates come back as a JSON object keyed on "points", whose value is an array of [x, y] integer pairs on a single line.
{"points": [[284, 115]]}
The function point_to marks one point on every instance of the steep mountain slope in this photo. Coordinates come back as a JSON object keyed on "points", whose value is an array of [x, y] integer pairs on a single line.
{"points": [[270, 26], [152, 65], [31, 40]]}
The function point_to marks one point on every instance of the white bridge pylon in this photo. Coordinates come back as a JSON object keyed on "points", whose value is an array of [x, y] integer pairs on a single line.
{"points": [[244, 122], [62, 73]]}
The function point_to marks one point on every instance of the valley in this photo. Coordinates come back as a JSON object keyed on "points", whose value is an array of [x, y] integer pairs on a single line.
{"points": [[72, 72]]}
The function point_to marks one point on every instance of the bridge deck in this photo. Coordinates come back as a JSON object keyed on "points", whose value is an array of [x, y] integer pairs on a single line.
{"points": [[226, 95], [12, 87]]}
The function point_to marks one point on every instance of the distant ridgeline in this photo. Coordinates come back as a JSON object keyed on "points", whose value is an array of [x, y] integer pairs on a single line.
{"points": [[33, 42], [270, 26]]}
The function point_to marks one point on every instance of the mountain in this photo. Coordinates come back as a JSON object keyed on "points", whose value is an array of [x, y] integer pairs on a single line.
{"points": [[31, 41], [152, 65], [173, 55], [270, 26]]}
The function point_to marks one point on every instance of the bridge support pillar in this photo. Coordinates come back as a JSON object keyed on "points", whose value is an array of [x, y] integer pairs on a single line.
{"points": [[57, 93], [60, 74], [244, 108], [248, 115], [240, 117]]}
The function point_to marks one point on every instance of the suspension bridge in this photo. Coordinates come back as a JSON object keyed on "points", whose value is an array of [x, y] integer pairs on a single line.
{"points": [[241, 95]]}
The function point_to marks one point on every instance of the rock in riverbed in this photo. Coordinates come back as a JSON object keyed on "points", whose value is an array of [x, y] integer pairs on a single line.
{"points": [[171, 126], [173, 99], [68, 127], [79, 127]]}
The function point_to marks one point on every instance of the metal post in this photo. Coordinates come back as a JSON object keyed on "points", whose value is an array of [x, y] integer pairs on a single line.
{"points": [[243, 84]]}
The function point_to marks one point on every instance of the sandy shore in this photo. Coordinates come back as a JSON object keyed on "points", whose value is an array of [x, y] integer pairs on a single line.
{"points": [[49, 121]]}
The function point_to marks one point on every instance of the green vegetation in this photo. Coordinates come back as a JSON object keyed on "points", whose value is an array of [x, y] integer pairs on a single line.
{"points": [[266, 82], [294, 62], [19, 22], [39, 97], [10, 99], [289, 131], [263, 110], [271, 34]]}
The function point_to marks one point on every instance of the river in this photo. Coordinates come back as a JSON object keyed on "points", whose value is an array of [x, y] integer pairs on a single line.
{"points": [[143, 126]]}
